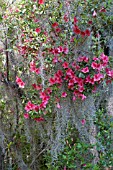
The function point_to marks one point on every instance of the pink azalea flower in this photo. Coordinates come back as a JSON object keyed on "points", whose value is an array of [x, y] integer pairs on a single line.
{"points": [[26, 115], [71, 82], [110, 73], [98, 77], [83, 121], [36, 20], [80, 82], [89, 80], [48, 90], [81, 89], [65, 65], [52, 81], [64, 167], [66, 50], [59, 73], [74, 98], [83, 58], [58, 106], [41, 2], [104, 59], [20, 82], [60, 49], [64, 94], [94, 14], [85, 70], [37, 70], [55, 60], [29, 106], [95, 58], [58, 80], [82, 96], [69, 72], [37, 87], [84, 165], [94, 89], [94, 65]]}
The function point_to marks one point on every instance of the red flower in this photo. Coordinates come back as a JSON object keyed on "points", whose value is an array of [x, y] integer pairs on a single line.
{"points": [[38, 30], [83, 33], [57, 30], [52, 81], [40, 119], [102, 9], [75, 20], [65, 65], [55, 24], [41, 2], [87, 32], [36, 108], [76, 30], [64, 94], [90, 22], [66, 19]]}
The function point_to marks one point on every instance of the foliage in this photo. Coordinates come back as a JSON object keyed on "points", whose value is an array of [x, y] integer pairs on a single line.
{"points": [[76, 153], [50, 51]]}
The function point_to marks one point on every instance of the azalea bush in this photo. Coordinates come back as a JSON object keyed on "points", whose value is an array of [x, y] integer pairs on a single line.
{"points": [[50, 48]]}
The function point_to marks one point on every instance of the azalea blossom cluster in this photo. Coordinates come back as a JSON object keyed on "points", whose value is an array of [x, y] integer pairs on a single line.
{"points": [[77, 30], [44, 96], [81, 77]]}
